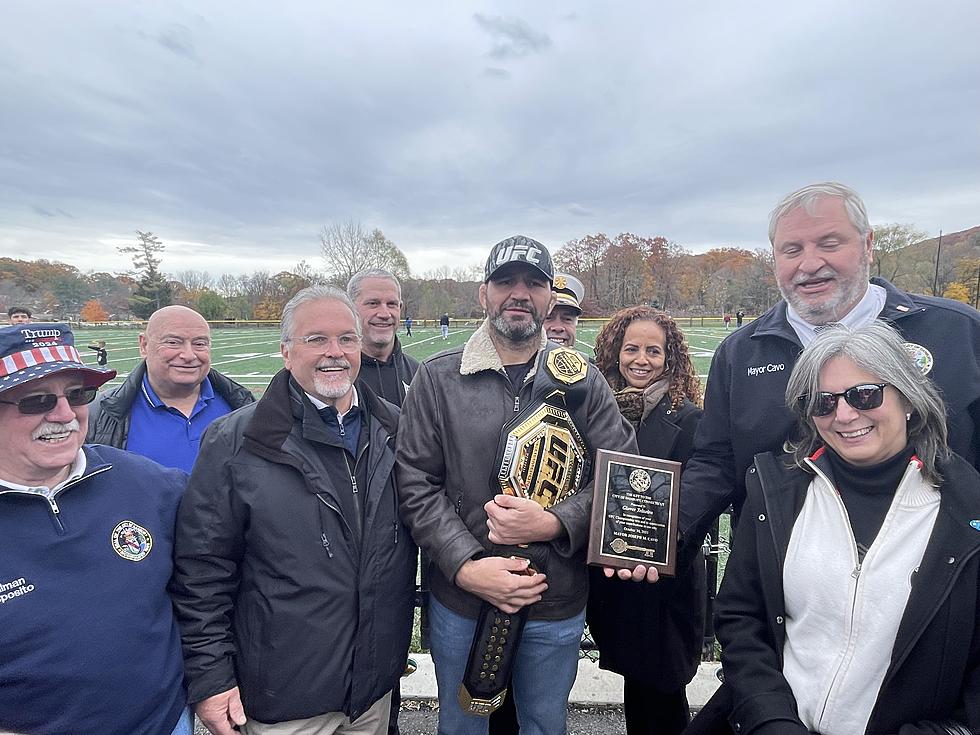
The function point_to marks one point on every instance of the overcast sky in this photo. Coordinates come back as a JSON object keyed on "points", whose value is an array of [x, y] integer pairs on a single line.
{"points": [[236, 130]]}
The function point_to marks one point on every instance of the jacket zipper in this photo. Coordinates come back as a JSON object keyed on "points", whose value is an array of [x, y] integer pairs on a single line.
{"points": [[855, 594], [324, 541], [52, 500]]}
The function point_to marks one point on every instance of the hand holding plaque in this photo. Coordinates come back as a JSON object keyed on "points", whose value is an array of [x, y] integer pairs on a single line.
{"points": [[634, 512]]}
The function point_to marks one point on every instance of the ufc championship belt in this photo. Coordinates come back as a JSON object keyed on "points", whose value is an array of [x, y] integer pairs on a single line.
{"points": [[542, 456]]}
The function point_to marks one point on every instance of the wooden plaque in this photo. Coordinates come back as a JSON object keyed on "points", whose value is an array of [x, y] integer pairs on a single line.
{"points": [[634, 512]]}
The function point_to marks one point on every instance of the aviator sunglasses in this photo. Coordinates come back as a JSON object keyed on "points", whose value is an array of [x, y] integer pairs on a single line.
{"points": [[862, 397], [44, 402]]}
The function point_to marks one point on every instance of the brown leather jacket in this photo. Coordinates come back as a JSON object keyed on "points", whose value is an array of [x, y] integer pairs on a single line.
{"points": [[447, 442]]}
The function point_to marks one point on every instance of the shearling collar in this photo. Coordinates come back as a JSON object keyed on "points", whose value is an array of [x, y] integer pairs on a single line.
{"points": [[480, 354]]}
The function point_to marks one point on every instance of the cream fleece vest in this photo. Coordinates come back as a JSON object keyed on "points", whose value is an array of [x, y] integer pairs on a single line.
{"points": [[841, 616]]}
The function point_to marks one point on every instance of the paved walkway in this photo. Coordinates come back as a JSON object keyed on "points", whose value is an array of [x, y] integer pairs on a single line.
{"points": [[592, 685]]}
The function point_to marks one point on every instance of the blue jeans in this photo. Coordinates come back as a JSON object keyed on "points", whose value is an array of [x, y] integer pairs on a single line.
{"points": [[544, 671], [185, 725]]}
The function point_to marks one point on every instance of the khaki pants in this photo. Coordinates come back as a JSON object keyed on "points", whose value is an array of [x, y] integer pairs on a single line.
{"points": [[372, 722]]}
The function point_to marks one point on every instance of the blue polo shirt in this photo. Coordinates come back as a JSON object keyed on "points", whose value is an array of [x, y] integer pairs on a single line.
{"points": [[164, 434]]}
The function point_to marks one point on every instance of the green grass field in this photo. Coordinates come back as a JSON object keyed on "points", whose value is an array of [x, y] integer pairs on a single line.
{"points": [[251, 355]]}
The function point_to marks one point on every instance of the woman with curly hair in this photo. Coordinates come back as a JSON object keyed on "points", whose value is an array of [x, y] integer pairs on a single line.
{"points": [[651, 634]]}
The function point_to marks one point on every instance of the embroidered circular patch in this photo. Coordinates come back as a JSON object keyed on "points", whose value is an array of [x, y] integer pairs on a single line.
{"points": [[640, 480], [920, 356], [131, 541]]}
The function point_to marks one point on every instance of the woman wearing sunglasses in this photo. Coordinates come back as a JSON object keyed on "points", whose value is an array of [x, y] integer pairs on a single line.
{"points": [[651, 633], [850, 601]]}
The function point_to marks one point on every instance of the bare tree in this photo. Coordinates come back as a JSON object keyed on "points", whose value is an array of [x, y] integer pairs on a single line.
{"points": [[890, 241], [195, 280], [347, 248], [380, 252], [344, 250]]}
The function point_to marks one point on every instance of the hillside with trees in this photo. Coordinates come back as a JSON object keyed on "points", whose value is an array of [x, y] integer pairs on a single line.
{"points": [[617, 271]]}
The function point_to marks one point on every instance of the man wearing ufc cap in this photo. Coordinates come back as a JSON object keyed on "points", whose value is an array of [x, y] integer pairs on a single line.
{"points": [[89, 640], [458, 412]]}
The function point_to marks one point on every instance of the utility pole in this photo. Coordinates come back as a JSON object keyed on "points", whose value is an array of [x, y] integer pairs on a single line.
{"points": [[935, 280], [976, 296]]}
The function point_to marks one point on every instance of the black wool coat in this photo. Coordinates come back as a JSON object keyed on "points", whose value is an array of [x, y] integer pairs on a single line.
{"points": [[653, 632]]}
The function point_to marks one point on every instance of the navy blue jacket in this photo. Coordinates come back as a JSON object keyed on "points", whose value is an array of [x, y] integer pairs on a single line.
{"points": [[88, 639], [745, 412]]}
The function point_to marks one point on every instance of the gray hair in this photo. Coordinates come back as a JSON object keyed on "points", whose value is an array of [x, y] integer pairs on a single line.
{"points": [[877, 349], [354, 284], [807, 198], [313, 293]]}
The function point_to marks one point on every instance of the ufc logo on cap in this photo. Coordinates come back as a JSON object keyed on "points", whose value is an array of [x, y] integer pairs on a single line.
{"points": [[519, 251]]}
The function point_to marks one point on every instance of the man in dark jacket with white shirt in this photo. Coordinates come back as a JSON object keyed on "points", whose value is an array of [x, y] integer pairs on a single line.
{"points": [[822, 247], [294, 578]]}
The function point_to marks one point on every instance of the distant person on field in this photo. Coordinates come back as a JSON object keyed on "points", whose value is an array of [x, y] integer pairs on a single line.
{"points": [[168, 400], [444, 325], [19, 315], [101, 354], [728, 320], [562, 322], [408, 326], [377, 296]]}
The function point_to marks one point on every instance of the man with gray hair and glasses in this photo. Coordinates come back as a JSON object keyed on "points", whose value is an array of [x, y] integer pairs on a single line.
{"points": [[294, 578], [822, 246]]}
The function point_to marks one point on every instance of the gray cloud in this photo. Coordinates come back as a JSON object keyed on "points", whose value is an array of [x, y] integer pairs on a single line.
{"points": [[496, 73], [177, 38], [513, 36], [644, 117]]}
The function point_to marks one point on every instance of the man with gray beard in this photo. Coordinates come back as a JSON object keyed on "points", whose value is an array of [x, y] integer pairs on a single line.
{"points": [[295, 580], [823, 246]]}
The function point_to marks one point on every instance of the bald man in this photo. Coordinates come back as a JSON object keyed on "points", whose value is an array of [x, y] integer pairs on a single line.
{"points": [[170, 398]]}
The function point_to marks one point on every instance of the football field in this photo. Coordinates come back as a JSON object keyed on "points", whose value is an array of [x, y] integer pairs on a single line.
{"points": [[251, 356]]}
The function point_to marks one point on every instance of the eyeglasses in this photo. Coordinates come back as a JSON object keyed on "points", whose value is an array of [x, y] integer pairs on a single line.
{"points": [[862, 397], [44, 402], [348, 343]]}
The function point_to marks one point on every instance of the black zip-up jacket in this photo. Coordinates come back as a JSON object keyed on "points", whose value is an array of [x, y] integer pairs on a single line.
{"points": [[108, 415], [744, 405], [272, 589], [389, 379], [933, 679]]}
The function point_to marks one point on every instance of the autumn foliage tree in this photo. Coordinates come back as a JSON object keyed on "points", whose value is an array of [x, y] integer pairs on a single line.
{"points": [[92, 311]]}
